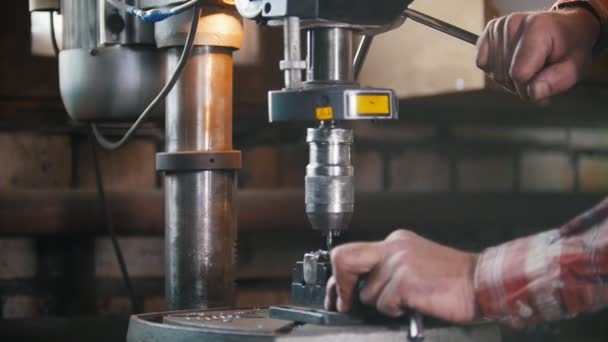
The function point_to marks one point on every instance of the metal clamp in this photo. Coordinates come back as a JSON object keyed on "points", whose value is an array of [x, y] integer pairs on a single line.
{"points": [[198, 160]]}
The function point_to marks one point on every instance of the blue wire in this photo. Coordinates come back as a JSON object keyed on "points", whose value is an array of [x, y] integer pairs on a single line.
{"points": [[155, 14]]}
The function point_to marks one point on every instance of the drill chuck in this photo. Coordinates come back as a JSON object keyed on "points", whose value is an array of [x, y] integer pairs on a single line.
{"points": [[329, 182]]}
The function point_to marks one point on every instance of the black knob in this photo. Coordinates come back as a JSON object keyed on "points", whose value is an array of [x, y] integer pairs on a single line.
{"points": [[115, 23]]}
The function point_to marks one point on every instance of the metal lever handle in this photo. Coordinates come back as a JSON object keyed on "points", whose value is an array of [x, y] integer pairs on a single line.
{"points": [[416, 328], [420, 18], [441, 26]]}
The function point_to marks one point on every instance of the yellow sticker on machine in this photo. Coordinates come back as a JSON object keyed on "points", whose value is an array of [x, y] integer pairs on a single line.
{"points": [[325, 113], [373, 105]]}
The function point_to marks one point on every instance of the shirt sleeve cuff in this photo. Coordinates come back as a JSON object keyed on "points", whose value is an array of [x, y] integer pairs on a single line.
{"points": [[517, 283], [600, 10]]}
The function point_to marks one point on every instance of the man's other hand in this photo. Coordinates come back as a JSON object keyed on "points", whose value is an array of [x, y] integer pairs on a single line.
{"points": [[404, 271], [540, 54]]}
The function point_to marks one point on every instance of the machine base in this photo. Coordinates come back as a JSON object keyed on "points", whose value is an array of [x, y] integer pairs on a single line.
{"points": [[257, 325]]}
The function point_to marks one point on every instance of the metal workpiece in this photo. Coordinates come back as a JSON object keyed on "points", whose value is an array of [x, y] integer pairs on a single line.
{"points": [[313, 272], [111, 84], [330, 55], [329, 182], [292, 64], [218, 26], [200, 211], [309, 278]]}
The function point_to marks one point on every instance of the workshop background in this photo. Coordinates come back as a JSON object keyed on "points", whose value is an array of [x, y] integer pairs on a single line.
{"points": [[466, 165]]}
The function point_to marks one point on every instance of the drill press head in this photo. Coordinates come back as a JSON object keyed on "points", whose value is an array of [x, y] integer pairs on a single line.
{"points": [[329, 93]]}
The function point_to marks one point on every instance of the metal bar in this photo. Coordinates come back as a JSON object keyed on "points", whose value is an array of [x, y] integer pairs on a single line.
{"points": [[200, 213], [442, 26], [292, 65], [362, 51]]}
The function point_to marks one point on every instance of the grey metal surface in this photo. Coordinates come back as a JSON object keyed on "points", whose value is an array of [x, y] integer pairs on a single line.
{"points": [[309, 315], [353, 14], [329, 182], [254, 321], [257, 326], [79, 24], [330, 55], [365, 333], [44, 5], [150, 328], [415, 328], [301, 104], [200, 213], [119, 27], [112, 84], [292, 63]]}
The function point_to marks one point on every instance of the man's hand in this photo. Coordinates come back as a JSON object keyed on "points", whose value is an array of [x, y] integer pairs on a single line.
{"points": [[404, 271], [538, 55]]}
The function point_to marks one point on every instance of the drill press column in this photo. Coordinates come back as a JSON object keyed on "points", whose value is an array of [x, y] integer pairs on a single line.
{"points": [[200, 166]]}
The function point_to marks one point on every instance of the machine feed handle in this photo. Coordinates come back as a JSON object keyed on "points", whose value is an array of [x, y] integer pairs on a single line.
{"points": [[420, 18], [442, 26], [416, 328]]}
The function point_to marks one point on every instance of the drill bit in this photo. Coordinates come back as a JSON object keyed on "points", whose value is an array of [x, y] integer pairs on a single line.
{"points": [[330, 240]]}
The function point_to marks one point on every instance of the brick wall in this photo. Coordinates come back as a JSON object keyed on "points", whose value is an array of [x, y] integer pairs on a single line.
{"points": [[54, 275]]}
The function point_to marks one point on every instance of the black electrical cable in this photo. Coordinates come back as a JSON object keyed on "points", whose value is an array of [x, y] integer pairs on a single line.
{"points": [[103, 204], [181, 64], [107, 217]]}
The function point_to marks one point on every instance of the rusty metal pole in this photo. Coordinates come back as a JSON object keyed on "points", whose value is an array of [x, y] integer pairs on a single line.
{"points": [[200, 169]]}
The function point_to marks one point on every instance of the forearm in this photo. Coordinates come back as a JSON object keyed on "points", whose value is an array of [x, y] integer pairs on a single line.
{"points": [[544, 277]]}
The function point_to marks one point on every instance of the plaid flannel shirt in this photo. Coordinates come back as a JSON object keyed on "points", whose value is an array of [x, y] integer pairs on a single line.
{"points": [[550, 276], [599, 8]]}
